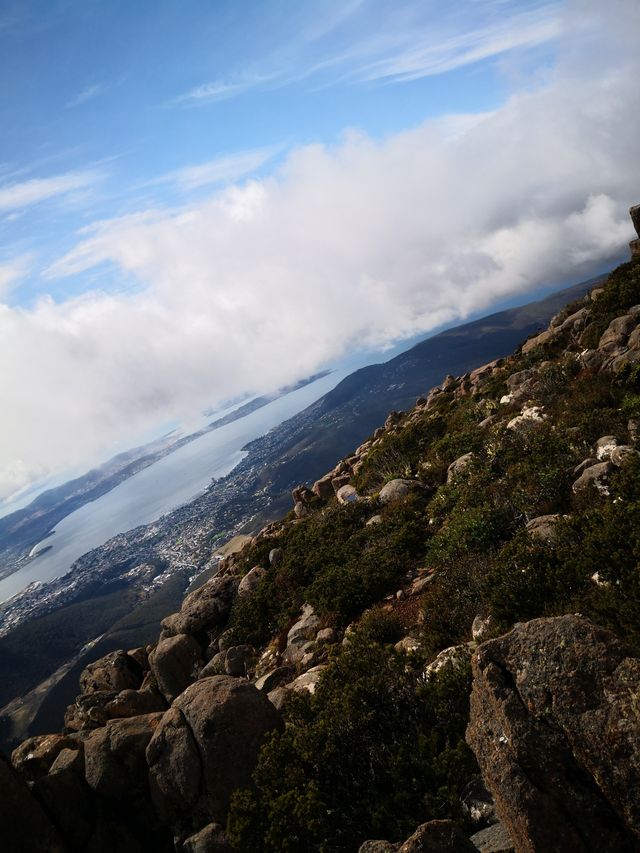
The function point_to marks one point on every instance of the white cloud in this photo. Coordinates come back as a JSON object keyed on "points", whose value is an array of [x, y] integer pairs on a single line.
{"points": [[406, 42], [426, 54], [222, 90], [358, 244], [220, 170], [12, 271], [19, 195], [87, 94]]}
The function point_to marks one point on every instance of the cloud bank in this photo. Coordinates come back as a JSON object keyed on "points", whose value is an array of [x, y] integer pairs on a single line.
{"points": [[354, 245]]}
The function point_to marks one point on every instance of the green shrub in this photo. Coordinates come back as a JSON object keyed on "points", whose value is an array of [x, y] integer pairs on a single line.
{"points": [[369, 755]]}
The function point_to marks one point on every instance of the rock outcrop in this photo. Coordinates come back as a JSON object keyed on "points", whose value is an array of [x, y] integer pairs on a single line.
{"points": [[556, 732], [206, 746], [24, 827]]}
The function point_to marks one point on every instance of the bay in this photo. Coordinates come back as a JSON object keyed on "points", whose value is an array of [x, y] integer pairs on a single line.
{"points": [[166, 484]]}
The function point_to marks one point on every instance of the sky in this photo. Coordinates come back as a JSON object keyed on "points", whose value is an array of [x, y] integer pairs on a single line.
{"points": [[204, 198]]}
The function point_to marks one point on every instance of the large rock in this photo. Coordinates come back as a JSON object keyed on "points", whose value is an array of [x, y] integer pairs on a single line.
{"points": [[131, 703], [323, 487], [305, 628], [115, 671], [206, 747], [114, 755], [24, 827], [211, 839], [438, 836], [543, 528], [596, 476], [458, 466], [493, 839], [89, 711], [205, 607], [346, 494], [251, 580], [35, 755], [176, 662], [377, 846], [67, 799], [395, 490], [555, 728]]}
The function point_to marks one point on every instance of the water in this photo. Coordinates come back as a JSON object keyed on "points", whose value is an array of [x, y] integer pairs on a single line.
{"points": [[163, 486]]}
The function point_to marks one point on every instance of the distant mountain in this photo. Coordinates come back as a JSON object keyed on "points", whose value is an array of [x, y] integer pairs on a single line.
{"points": [[315, 439]]}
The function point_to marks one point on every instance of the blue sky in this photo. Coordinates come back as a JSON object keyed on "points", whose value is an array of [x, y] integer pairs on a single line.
{"points": [[107, 102], [200, 199]]}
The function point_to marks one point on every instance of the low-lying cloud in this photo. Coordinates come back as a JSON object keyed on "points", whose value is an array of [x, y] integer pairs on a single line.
{"points": [[354, 245]]}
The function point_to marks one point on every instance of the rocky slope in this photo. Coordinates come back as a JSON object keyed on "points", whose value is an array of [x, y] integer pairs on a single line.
{"points": [[437, 646], [115, 594]]}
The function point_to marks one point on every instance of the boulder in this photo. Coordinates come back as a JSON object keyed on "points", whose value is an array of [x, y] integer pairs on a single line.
{"points": [[458, 466], [604, 447], [623, 454], [251, 580], [543, 528], [24, 827], [540, 340], [338, 482], [89, 711], [294, 653], [327, 635], [556, 732], [67, 800], [176, 662], [378, 847], [422, 582], [215, 666], [596, 476], [211, 839], [35, 755], [69, 759], [529, 416], [308, 680], [275, 556], [115, 671], [438, 836], [375, 519], [300, 510], [206, 746], [301, 494], [323, 487], [617, 332], [582, 467], [480, 628], [493, 839], [407, 645], [454, 657], [272, 679], [278, 696], [346, 494], [238, 659], [130, 703], [114, 755], [305, 628], [205, 607], [395, 490]]}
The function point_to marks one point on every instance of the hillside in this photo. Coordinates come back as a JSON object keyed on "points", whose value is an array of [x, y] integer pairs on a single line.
{"points": [[46, 628], [438, 645], [341, 419]]}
